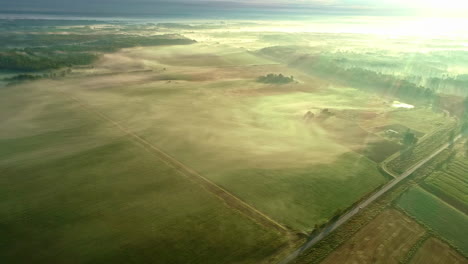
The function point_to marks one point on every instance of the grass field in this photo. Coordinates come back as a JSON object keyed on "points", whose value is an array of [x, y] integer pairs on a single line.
{"points": [[85, 156], [434, 251], [436, 215], [248, 137], [73, 189], [387, 239], [299, 197], [203, 106], [451, 183]]}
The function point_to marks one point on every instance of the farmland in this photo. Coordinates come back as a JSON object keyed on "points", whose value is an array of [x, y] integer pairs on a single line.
{"points": [[346, 235], [387, 239], [427, 145], [153, 143], [440, 217], [434, 251], [75, 189], [450, 184], [255, 143]]}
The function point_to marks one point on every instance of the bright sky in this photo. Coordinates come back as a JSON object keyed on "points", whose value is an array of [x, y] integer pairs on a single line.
{"points": [[356, 7]]}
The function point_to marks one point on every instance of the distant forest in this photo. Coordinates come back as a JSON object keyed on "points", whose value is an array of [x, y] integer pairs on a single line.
{"points": [[39, 52]]}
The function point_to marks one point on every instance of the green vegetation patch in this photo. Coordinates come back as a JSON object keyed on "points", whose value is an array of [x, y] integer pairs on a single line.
{"points": [[275, 79], [38, 52], [425, 147], [75, 189], [304, 197], [443, 219], [451, 184]]}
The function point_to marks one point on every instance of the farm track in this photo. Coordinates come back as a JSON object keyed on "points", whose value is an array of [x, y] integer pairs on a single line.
{"points": [[228, 198], [314, 239]]}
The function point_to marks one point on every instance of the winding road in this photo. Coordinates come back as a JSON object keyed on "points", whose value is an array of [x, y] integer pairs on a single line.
{"points": [[314, 239]]}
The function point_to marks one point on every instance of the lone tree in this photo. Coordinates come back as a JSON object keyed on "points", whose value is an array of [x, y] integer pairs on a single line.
{"points": [[409, 139]]}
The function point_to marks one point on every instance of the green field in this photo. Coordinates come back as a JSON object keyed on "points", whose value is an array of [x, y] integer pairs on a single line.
{"points": [[248, 137], [443, 219], [135, 142], [451, 183], [74, 189], [287, 194]]}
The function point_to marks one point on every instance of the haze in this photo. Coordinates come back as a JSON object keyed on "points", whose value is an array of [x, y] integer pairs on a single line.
{"points": [[234, 132]]}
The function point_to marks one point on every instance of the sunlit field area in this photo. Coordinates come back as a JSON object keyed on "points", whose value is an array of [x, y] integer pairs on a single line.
{"points": [[230, 141], [101, 196]]}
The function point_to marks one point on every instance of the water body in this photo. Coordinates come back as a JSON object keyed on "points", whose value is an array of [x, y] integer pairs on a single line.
{"points": [[397, 104]]}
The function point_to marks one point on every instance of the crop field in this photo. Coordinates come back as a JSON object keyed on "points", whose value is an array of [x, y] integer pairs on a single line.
{"points": [[248, 137], [74, 189], [451, 183], [434, 251], [203, 106], [219, 142], [436, 215], [387, 239]]}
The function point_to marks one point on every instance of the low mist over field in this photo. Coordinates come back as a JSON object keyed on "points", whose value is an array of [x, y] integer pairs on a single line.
{"points": [[233, 132]]}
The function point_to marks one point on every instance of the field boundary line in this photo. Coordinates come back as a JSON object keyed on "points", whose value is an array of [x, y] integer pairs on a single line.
{"points": [[229, 199], [334, 224]]}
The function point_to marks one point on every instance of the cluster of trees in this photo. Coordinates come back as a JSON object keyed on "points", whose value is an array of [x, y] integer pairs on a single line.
{"points": [[23, 77], [323, 115], [31, 77], [455, 85], [392, 85], [54, 51], [275, 79], [367, 79], [28, 62], [409, 139]]}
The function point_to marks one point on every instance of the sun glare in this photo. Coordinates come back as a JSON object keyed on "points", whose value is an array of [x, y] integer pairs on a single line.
{"points": [[447, 4]]}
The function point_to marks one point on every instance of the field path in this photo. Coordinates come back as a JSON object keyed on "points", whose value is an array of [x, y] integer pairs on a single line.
{"points": [[314, 239], [228, 198]]}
